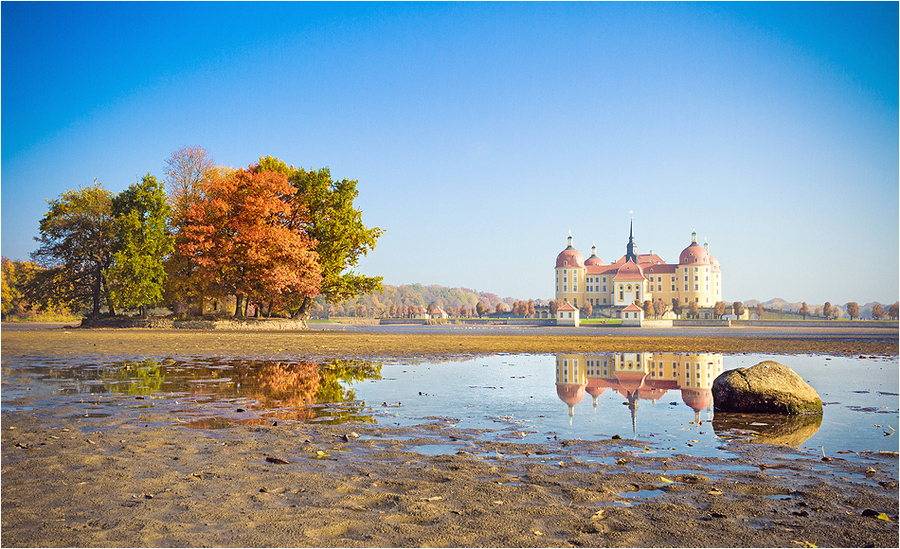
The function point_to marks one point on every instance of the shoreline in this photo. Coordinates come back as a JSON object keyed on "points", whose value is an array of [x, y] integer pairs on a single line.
{"points": [[71, 478]]}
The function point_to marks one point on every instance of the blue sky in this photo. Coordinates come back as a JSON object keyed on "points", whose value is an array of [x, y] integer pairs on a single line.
{"points": [[481, 134]]}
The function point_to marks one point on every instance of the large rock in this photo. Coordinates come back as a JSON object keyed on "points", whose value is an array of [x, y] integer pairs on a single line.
{"points": [[767, 388]]}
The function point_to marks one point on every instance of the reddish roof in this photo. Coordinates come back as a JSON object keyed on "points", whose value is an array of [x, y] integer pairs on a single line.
{"points": [[665, 268], [630, 271], [570, 393], [566, 307], [694, 254], [632, 307], [593, 260], [570, 257], [601, 269], [698, 399]]}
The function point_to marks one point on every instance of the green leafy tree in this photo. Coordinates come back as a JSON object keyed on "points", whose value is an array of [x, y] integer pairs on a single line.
{"points": [[329, 218], [804, 310], [141, 245], [76, 248], [852, 310]]}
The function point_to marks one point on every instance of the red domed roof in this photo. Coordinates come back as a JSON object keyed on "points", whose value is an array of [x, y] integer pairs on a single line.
{"points": [[569, 393], [594, 390], [694, 254], [570, 257], [698, 399], [594, 260]]}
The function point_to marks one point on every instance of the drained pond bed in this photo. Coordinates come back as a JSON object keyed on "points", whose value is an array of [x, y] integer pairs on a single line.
{"points": [[583, 448]]}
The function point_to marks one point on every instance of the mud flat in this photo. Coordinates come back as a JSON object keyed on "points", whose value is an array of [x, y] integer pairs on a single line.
{"points": [[372, 342], [70, 478]]}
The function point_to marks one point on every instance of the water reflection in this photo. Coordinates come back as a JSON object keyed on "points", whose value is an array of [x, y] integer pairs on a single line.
{"points": [[638, 376], [259, 389]]}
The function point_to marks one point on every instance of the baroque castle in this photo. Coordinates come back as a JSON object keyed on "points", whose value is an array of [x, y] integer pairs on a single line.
{"points": [[636, 278]]}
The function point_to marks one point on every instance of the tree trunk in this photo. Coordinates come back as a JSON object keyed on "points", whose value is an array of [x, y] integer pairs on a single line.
{"points": [[303, 312], [95, 313], [238, 309]]}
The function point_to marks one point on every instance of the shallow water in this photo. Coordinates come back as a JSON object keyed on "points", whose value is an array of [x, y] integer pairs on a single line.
{"points": [[660, 399]]}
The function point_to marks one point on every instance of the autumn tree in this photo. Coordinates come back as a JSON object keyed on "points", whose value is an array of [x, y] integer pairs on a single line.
{"points": [[694, 309], [647, 306], [719, 309], [188, 171], [500, 309], [530, 311], [826, 309], [676, 306], [877, 311], [554, 307], [480, 309], [587, 309], [894, 311], [852, 309], [836, 311], [430, 309], [75, 247], [336, 228], [659, 308], [236, 235], [738, 309], [140, 214], [759, 311], [804, 310], [15, 278]]}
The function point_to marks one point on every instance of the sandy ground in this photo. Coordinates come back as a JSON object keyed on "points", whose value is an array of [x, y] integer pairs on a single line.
{"points": [[106, 482]]}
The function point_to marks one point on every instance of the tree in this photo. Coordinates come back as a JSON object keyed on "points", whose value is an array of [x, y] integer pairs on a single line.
{"points": [[877, 311], [804, 310], [430, 309], [826, 309], [137, 274], [737, 308], [648, 308], [587, 309], [531, 310], [852, 310], [719, 309], [236, 236], [659, 308], [336, 228], [554, 307], [759, 311], [76, 245], [694, 309], [14, 281], [894, 311], [501, 308], [817, 311], [676, 306], [480, 309], [836, 311]]}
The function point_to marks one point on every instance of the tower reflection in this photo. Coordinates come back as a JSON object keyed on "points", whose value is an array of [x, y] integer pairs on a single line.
{"points": [[636, 377]]}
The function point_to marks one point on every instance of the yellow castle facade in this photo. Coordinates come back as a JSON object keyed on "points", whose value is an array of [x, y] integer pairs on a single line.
{"points": [[636, 278]]}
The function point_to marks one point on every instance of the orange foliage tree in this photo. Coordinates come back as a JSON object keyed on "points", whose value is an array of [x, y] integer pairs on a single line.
{"points": [[238, 235]]}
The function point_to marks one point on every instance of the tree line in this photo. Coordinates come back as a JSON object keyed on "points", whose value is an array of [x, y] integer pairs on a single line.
{"points": [[270, 234]]}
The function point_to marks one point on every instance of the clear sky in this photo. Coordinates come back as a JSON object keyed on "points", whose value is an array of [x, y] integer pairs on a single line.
{"points": [[481, 134]]}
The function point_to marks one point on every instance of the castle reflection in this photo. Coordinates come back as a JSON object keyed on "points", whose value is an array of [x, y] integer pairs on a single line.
{"points": [[638, 376]]}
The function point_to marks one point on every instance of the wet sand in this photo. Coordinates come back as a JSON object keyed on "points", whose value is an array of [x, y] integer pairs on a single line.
{"points": [[87, 481]]}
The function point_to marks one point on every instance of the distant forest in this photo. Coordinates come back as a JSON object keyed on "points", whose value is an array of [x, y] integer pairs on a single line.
{"points": [[455, 301]]}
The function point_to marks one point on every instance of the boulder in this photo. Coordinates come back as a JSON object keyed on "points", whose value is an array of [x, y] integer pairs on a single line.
{"points": [[767, 388]]}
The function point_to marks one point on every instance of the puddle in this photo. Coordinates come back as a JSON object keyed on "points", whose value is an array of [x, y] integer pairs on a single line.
{"points": [[658, 404]]}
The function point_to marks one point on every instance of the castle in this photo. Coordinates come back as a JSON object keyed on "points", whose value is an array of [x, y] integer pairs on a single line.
{"points": [[636, 278]]}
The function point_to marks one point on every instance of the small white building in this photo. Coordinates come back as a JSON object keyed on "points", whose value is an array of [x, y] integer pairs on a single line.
{"points": [[632, 315], [567, 315]]}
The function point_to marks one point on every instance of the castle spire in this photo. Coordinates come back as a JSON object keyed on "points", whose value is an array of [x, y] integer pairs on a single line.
{"points": [[630, 254]]}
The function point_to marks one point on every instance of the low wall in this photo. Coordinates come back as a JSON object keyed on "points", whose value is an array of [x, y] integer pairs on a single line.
{"points": [[702, 323], [817, 323]]}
